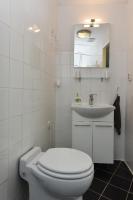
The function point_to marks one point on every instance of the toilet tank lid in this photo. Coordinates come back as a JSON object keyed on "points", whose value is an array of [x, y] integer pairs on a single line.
{"points": [[65, 160]]}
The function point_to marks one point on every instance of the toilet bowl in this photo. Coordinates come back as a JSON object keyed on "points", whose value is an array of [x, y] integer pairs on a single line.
{"points": [[57, 174]]}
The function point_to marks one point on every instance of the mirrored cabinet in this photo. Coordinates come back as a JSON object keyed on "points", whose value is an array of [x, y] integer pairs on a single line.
{"points": [[92, 46]]}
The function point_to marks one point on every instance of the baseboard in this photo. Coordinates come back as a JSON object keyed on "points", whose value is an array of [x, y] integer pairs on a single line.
{"points": [[128, 167], [119, 159]]}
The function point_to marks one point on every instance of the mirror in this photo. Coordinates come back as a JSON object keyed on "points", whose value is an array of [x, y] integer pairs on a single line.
{"points": [[92, 46]]}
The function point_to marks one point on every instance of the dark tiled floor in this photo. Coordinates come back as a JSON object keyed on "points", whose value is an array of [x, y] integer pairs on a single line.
{"points": [[111, 182]]}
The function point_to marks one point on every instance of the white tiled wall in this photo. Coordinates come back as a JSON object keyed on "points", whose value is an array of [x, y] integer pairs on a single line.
{"points": [[129, 116], [27, 90], [106, 90]]}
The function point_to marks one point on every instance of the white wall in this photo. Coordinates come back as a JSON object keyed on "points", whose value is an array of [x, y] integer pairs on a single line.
{"points": [[27, 92], [70, 14], [129, 116]]}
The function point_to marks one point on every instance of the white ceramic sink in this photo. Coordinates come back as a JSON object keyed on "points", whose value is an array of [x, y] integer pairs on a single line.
{"points": [[92, 111]]}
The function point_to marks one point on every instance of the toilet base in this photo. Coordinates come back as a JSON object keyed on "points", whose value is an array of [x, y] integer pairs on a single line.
{"points": [[76, 198], [39, 192], [47, 197]]}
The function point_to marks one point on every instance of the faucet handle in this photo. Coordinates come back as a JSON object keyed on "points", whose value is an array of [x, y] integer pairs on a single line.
{"points": [[91, 98], [92, 94]]}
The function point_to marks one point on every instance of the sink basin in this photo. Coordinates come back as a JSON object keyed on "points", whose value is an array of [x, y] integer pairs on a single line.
{"points": [[92, 111]]}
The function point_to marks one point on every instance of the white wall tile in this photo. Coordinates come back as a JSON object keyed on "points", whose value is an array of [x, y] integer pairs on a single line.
{"points": [[27, 143], [28, 52], [4, 71], [15, 130], [27, 77], [4, 39], [3, 135], [3, 191], [3, 104], [129, 108], [17, 15], [36, 73], [27, 101], [23, 113], [3, 166], [35, 56], [14, 184], [36, 84], [16, 74], [16, 48], [27, 125], [15, 102], [5, 11], [36, 100]]}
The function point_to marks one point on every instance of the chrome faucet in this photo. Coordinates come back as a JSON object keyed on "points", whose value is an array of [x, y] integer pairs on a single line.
{"points": [[91, 99]]}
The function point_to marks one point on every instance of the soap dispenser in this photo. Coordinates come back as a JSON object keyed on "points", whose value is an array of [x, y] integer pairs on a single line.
{"points": [[77, 98]]}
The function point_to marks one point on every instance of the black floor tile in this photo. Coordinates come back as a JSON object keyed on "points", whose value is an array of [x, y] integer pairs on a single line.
{"points": [[131, 189], [97, 186], [123, 165], [102, 175], [130, 197], [108, 167], [124, 172], [120, 182], [118, 186], [103, 198], [90, 195], [114, 193]]}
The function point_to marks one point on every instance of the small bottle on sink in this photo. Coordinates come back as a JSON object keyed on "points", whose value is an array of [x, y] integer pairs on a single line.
{"points": [[77, 98]]}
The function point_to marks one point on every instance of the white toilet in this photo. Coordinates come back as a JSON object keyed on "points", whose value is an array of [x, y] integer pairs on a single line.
{"points": [[57, 174]]}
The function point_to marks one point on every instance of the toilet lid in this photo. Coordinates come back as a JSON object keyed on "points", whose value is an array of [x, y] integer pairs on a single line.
{"points": [[65, 161]]}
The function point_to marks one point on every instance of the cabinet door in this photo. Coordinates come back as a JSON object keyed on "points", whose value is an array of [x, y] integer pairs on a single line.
{"points": [[103, 142], [82, 137]]}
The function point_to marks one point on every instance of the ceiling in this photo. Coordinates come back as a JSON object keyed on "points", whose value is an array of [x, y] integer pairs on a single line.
{"points": [[69, 2]]}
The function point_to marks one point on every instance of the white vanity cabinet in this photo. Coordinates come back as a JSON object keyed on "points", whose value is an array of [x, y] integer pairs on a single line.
{"points": [[94, 136], [103, 142], [82, 136]]}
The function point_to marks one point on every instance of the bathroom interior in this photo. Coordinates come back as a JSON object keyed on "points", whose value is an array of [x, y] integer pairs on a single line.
{"points": [[66, 100]]}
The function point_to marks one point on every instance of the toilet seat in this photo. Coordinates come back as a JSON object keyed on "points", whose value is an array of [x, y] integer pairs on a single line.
{"points": [[65, 176], [55, 163]]}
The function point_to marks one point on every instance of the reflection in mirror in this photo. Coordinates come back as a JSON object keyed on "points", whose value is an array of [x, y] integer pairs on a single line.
{"points": [[92, 46]]}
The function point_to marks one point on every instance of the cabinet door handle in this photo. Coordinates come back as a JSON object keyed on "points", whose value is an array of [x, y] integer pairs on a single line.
{"points": [[104, 125], [82, 124]]}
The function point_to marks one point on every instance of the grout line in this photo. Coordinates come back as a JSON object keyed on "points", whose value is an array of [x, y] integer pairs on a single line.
{"points": [[95, 192], [104, 170], [106, 197], [101, 180], [113, 185], [129, 190], [99, 194], [113, 172], [123, 178], [119, 187], [128, 167], [110, 180]]}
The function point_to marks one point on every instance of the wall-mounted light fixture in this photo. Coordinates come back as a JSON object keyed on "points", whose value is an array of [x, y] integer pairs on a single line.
{"points": [[34, 28], [90, 23]]}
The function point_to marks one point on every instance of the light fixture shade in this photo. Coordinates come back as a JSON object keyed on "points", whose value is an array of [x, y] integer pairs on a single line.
{"points": [[92, 23], [84, 33], [96, 25], [87, 25]]}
